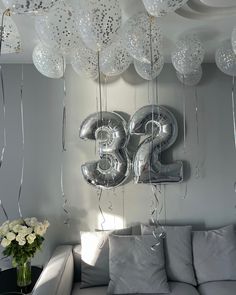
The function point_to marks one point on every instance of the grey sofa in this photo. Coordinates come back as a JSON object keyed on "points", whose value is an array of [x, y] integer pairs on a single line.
{"points": [[62, 274]]}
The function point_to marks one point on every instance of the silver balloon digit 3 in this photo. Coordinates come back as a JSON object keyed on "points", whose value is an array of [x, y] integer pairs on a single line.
{"points": [[161, 126], [114, 165]]}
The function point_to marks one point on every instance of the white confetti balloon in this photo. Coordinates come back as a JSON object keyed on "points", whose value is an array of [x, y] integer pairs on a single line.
{"points": [[98, 21], [226, 58], [233, 40], [29, 6], [85, 62], [162, 7], [115, 59], [142, 37], [11, 41], [190, 79], [188, 54], [48, 62], [58, 28], [148, 72]]}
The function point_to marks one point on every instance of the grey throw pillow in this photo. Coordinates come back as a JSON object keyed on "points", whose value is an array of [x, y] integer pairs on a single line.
{"points": [[214, 254], [178, 252], [134, 267], [95, 257]]}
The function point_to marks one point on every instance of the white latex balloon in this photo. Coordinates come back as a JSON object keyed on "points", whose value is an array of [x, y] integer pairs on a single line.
{"points": [[162, 7], [142, 37], [58, 28], [146, 71], [26, 6], [191, 79], [85, 62], [188, 55], [11, 41], [226, 58], [48, 62], [114, 60], [98, 22], [233, 40]]}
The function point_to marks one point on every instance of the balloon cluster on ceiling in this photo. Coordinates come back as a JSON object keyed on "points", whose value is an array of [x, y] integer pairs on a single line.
{"points": [[90, 33]]}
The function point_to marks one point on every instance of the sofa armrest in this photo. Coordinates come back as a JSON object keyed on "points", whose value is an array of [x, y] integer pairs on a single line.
{"points": [[57, 277]]}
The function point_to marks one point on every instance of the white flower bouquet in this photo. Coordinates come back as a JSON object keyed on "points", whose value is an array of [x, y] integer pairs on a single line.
{"points": [[21, 238]]}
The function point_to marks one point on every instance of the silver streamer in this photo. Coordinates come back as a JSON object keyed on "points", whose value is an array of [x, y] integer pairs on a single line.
{"points": [[159, 231], [233, 110], [197, 168], [4, 118], [99, 195], [3, 210], [3, 91], [123, 204], [63, 195], [23, 140], [184, 115]]}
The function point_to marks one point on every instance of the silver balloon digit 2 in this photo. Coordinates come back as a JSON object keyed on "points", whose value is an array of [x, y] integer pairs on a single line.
{"points": [[147, 165]]}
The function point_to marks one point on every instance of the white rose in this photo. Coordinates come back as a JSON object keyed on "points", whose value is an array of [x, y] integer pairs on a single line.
{"points": [[27, 221], [5, 242], [4, 230], [30, 238], [23, 231], [40, 229], [33, 221], [17, 228], [10, 236], [21, 240], [14, 222], [46, 224]]}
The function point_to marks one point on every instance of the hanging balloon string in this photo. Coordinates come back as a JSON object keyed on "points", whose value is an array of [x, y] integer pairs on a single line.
{"points": [[63, 143], [233, 111], [3, 210], [197, 168], [23, 140], [6, 12]]}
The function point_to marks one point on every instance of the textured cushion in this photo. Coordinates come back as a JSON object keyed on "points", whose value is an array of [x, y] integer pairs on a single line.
{"points": [[95, 257], [134, 267], [178, 252], [218, 288], [214, 254], [175, 289]]}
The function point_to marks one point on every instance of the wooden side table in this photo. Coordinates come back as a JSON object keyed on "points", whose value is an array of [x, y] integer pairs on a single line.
{"points": [[8, 281]]}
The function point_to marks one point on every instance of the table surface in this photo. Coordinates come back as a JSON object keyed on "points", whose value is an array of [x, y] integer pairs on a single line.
{"points": [[8, 281]]}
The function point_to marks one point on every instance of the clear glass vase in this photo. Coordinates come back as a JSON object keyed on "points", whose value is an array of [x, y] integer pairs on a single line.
{"points": [[23, 274]]}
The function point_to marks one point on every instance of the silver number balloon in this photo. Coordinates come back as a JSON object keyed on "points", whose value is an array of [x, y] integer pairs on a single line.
{"points": [[161, 126], [113, 168]]}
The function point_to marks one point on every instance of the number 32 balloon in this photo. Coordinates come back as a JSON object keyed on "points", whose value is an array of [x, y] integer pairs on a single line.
{"points": [[161, 125], [113, 168]]}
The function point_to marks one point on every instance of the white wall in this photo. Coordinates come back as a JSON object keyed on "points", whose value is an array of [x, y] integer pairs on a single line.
{"points": [[210, 199]]}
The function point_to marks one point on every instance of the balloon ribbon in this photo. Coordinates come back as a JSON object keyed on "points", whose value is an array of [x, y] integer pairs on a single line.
{"points": [[63, 143]]}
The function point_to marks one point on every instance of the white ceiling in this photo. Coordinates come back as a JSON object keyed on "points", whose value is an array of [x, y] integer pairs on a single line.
{"points": [[211, 20]]}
